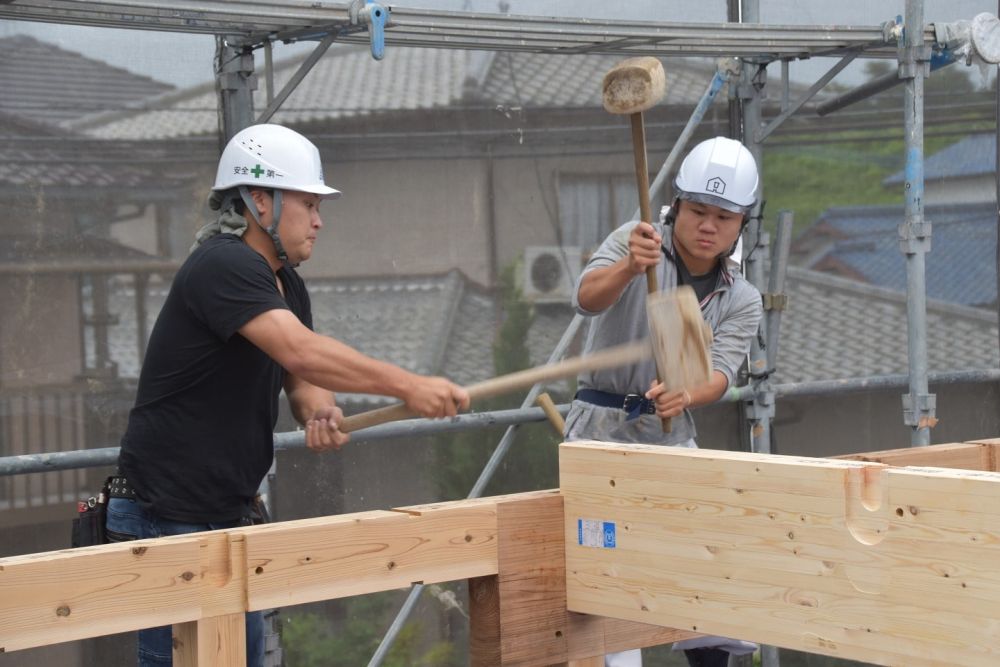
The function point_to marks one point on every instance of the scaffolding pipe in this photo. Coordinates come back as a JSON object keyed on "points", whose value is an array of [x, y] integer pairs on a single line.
{"points": [[857, 385], [776, 298], [410, 428], [874, 87], [477, 489], [996, 173], [915, 232], [235, 82], [105, 456]]}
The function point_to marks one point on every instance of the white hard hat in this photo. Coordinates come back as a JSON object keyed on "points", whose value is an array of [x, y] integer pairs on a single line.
{"points": [[272, 156], [719, 172]]}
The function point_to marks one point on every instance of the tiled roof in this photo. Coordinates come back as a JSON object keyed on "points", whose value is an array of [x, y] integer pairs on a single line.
{"points": [[961, 267], [41, 81], [32, 247], [839, 328], [975, 155], [347, 83], [832, 328]]}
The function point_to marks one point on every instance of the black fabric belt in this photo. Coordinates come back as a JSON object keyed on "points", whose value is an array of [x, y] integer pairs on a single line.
{"points": [[118, 487], [633, 404]]}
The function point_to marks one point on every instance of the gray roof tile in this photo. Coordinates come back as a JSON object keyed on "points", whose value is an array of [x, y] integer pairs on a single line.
{"points": [[975, 155], [832, 328], [49, 84], [348, 83], [862, 242]]}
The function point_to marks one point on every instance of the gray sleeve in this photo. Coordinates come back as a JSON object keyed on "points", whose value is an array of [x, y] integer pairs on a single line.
{"points": [[614, 247], [734, 333]]}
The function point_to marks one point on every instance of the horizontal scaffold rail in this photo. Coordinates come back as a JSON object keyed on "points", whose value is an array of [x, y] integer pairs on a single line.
{"points": [[255, 21]]}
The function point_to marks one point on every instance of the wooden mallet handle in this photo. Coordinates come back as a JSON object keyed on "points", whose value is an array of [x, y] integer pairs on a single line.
{"points": [[611, 357]]}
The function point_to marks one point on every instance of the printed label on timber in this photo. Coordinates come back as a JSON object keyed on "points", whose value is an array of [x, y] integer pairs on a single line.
{"points": [[595, 533]]}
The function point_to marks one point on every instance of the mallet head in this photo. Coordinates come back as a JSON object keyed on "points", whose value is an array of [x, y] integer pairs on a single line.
{"points": [[633, 85]]}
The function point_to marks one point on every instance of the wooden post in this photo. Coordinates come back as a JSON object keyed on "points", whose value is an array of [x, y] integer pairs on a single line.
{"points": [[217, 641], [484, 622]]}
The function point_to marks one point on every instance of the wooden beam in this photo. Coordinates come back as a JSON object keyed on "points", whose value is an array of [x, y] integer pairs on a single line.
{"points": [[304, 561], [892, 566], [961, 455], [67, 595], [74, 594]]}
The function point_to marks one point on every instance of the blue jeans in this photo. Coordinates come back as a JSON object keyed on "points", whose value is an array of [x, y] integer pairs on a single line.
{"points": [[127, 520]]}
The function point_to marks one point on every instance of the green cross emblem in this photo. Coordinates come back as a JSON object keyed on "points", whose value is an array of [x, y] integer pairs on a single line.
{"points": [[256, 171]]}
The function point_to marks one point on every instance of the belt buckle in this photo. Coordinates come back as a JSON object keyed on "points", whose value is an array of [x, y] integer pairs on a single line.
{"points": [[631, 402]]}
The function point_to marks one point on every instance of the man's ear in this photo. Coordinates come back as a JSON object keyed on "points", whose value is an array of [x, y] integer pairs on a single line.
{"points": [[259, 199]]}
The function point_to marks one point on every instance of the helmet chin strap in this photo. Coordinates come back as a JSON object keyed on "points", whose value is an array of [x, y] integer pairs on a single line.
{"points": [[271, 231]]}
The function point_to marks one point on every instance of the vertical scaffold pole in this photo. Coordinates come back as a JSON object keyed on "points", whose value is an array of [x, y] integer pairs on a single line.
{"points": [[914, 231]]}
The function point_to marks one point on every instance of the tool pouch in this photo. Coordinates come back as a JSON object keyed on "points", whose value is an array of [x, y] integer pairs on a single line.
{"points": [[256, 513], [91, 518]]}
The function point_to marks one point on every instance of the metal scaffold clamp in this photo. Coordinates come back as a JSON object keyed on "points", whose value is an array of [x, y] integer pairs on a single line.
{"points": [[376, 17], [920, 413]]}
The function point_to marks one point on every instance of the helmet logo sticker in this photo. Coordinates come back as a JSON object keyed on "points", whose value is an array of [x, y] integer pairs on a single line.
{"points": [[716, 185], [256, 171]]}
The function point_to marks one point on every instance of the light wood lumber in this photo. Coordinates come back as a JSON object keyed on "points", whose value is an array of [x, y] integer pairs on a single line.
{"points": [[297, 562], [218, 641], [484, 622], [61, 596], [961, 455], [535, 627], [893, 566]]}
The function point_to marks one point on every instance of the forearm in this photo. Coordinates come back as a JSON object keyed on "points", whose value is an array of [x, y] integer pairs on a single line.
{"points": [[332, 365], [306, 399], [602, 287], [710, 392]]}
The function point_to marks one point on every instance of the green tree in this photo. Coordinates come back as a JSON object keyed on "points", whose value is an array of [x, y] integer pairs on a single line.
{"points": [[532, 462]]}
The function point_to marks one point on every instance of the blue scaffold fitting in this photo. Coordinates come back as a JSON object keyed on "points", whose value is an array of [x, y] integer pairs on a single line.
{"points": [[376, 16]]}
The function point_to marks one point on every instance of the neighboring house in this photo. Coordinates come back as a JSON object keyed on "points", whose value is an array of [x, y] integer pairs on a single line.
{"points": [[447, 159], [62, 194], [962, 173], [861, 242]]}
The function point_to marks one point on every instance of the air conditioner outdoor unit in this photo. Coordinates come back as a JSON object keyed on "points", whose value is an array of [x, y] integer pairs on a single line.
{"points": [[550, 273]]}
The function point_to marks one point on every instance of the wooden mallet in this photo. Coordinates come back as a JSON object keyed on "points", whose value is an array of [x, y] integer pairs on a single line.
{"points": [[629, 88], [682, 337]]}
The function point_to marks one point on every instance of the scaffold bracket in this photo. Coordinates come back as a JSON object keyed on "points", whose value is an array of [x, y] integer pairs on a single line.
{"points": [[923, 414]]}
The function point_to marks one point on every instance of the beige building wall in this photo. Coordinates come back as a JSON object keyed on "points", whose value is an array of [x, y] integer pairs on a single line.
{"points": [[527, 192], [40, 330], [973, 190], [402, 218]]}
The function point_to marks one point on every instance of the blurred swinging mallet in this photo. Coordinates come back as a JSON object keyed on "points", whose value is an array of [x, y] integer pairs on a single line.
{"points": [[612, 357], [631, 87], [677, 337]]}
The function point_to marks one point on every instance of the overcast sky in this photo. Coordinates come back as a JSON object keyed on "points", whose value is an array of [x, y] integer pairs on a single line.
{"points": [[185, 60]]}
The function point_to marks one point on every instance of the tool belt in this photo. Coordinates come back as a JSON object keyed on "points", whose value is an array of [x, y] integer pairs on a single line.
{"points": [[118, 487], [633, 404]]}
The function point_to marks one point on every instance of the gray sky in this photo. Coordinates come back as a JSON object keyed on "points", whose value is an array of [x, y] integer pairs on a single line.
{"points": [[185, 60]]}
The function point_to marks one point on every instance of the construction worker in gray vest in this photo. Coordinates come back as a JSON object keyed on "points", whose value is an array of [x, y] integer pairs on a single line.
{"points": [[693, 244]]}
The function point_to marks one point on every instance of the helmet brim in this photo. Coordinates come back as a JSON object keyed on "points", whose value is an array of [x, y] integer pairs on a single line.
{"points": [[324, 191], [715, 200]]}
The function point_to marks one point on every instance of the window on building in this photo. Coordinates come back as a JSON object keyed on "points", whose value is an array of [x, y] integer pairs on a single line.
{"points": [[591, 205]]}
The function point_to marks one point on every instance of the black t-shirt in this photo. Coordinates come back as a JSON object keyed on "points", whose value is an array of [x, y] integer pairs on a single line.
{"points": [[200, 437]]}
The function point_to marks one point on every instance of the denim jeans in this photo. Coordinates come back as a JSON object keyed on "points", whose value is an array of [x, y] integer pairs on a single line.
{"points": [[127, 520]]}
